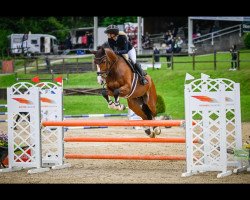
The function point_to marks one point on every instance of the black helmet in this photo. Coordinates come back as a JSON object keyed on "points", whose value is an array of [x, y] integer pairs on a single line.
{"points": [[113, 29]]}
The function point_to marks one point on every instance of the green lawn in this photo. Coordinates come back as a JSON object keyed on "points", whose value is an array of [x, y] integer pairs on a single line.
{"points": [[169, 84]]}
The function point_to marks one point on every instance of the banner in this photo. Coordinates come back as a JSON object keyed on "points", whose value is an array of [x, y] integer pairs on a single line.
{"points": [[131, 29]]}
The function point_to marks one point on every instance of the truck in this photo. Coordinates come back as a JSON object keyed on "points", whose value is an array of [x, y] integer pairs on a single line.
{"points": [[77, 36], [33, 44]]}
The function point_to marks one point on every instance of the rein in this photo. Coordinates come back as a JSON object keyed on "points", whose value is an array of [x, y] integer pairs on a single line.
{"points": [[106, 73]]}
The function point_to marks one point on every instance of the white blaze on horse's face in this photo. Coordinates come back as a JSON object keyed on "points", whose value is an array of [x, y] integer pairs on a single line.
{"points": [[98, 68], [99, 78]]}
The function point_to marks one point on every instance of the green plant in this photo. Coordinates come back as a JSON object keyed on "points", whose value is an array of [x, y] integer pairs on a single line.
{"points": [[3, 140], [247, 40], [160, 105]]}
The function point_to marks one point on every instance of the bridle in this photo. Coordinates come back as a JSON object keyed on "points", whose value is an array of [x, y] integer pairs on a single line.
{"points": [[108, 63]]}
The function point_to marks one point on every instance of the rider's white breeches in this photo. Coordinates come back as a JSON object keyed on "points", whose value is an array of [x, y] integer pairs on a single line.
{"points": [[132, 55]]}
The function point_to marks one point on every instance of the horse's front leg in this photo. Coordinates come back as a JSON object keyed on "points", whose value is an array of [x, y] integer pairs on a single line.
{"points": [[111, 104], [117, 102]]}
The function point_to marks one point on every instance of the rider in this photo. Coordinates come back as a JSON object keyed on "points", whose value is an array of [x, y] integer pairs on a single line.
{"points": [[119, 43]]}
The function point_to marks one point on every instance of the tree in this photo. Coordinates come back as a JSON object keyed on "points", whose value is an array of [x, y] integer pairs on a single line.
{"points": [[57, 26], [117, 20], [247, 40]]}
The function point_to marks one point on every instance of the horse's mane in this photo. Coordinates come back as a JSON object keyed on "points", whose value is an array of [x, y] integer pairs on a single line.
{"points": [[111, 54], [104, 45]]}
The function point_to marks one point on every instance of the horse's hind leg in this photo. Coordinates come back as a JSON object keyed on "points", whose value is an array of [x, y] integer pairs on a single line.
{"points": [[156, 129], [147, 111], [152, 99], [139, 109], [151, 103]]}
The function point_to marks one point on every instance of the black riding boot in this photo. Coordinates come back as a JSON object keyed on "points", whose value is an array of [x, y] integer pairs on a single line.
{"points": [[141, 73]]}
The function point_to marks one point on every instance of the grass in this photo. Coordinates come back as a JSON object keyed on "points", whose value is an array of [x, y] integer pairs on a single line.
{"points": [[169, 84]]}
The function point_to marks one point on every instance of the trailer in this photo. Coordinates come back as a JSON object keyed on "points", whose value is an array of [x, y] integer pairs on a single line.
{"points": [[33, 44]]}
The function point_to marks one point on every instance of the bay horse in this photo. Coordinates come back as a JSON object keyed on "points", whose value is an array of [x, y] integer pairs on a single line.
{"points": [[122, 82]]}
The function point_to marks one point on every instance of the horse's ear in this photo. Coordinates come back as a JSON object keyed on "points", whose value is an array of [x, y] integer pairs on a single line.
{"points": [[87, 51], [93, 52], [102, 50]]}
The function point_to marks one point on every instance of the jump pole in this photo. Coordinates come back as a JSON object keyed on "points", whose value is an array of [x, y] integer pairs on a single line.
{"points": [[96, 115], [123, 157], [115, 123], [141, 140]]}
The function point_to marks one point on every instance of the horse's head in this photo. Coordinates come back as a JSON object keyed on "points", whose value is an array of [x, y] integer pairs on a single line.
{"points": [[105, 58]]}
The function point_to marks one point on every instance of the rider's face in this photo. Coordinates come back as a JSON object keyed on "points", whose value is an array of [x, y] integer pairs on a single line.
{"points": [[111, 35]]}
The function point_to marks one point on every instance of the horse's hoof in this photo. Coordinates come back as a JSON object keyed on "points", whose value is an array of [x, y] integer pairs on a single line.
{"points": [[152, 134], [112, 106], [157, 130], [122, 107], [149, 133]]}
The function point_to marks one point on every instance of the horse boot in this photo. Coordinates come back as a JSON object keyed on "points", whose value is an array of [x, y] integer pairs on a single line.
{"points": [[141, 73]]}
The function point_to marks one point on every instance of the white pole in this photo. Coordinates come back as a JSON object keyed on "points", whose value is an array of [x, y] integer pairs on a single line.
{"points": [[142, 26], [95, 32], [139, 35], [190, 35]]}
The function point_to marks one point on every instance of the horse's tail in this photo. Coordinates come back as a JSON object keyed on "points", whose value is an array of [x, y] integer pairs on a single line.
{"points": [[152, 98], [157, 99]]}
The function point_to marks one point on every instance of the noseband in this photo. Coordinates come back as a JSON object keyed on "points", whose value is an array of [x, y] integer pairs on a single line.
{"points": [[109, 65]]}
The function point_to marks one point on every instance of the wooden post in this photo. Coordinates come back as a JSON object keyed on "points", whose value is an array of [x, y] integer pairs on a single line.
{"points": [[153, 61], [93, 64], [193, 61], [77, 65], [63, 66], [238, 60], [172, 62], [36, 66], [67, 77], [215, 67], [25, 64], [16, 78], [14, 60]]}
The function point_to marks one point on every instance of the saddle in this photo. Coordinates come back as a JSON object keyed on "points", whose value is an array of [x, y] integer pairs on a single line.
{"points": [[136, 69], [130, 63]]}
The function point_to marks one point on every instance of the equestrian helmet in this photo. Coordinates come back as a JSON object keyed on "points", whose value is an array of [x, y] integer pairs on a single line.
{"points": [[113, 29]]}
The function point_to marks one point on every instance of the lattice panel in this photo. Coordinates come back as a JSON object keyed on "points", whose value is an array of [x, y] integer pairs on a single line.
{"points": [[231, 132], [51, 109], [21, 88], [23, 141], [213, 116], [23, 125]]}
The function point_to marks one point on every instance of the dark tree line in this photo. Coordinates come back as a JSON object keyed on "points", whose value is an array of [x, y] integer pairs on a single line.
{"points": [[58, 26]]}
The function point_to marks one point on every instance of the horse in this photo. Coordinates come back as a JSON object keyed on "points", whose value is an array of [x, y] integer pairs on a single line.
{"points": [[122, 82]]}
